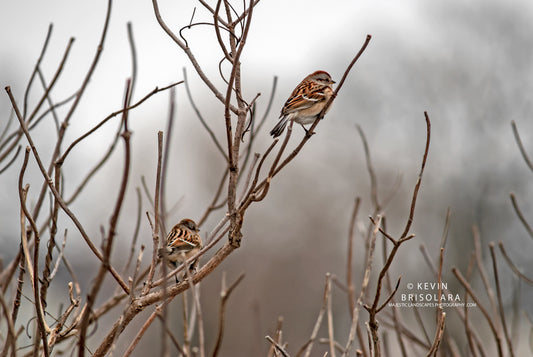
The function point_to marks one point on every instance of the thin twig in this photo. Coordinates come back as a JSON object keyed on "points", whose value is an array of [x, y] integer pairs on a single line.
{"points": [[419, 181], [96, 167], [172, 337], [440, 314], [20, 284], [36, 68], [142, 330], [279, 337], [155, 228], [131, 42], [394, 309], [513, 267], [11, 338], [331, 336], [482, 271], [277, 346], [136, 231], [224, 296], [446, 229], [371, 172], [391, 295], [470, 291], [521, 215], [349, 264], [269, 105], [500, 300], [195, 291], [213, 205], [166, 153], [466, 321], [201, 118], [308, 346], [364, 287], [521, 146], [50, 102], [11, 161]]}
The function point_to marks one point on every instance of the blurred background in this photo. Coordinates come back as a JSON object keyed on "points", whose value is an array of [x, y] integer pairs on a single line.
{"points": [[470, 66]]}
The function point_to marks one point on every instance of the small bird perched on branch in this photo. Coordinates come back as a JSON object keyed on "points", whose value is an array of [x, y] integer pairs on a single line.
{"points": [[182, 243], [306, 101]]}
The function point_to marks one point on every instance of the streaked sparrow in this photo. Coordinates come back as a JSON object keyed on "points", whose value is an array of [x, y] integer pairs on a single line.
{"points": [[306, 101], [183, 242]]}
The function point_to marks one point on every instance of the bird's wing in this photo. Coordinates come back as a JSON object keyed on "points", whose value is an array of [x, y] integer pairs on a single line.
{"points": [[185, 242], [303, 98]]}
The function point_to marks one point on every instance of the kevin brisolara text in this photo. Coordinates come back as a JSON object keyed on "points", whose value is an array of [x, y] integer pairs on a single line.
{"points": [[430, 297]]}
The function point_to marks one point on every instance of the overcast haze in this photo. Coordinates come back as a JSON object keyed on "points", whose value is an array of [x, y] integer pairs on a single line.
{"points": [[470, 66]]}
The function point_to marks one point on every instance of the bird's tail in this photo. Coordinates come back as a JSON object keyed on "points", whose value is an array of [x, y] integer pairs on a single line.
{"points": [[280, 126]]}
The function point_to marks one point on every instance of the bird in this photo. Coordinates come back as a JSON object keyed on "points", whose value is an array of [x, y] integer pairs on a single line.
{"points": [[182, 243], [306, 101]]}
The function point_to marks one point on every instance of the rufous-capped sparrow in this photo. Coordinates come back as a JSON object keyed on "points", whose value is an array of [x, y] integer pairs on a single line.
{"points": [[183, 242], [306, 101]]}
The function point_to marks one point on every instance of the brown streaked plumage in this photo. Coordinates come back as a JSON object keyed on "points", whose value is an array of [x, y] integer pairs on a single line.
{"points": [[182, 243], [306, 101]]}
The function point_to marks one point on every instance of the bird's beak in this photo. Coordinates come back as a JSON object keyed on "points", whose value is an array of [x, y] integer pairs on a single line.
{"points": [[333, 82]]}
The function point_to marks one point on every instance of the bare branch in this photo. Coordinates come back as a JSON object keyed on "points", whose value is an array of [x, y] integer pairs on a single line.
{"points": [[142, 330], [500, 300], [482, 271], [470, 291], [11, 338], [331, 337], [349, 264], [136, 231], [269, 105], [521, 215], [440, 314], [11, 161], [201, 118], [521, 146], [213, 205], [370, 169], [307, 347], [364, 286], [391, 295], [513, 266], [419, 181], [155, 228], [36, 69], [277, 346], [216, 17], [224, 296]]}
